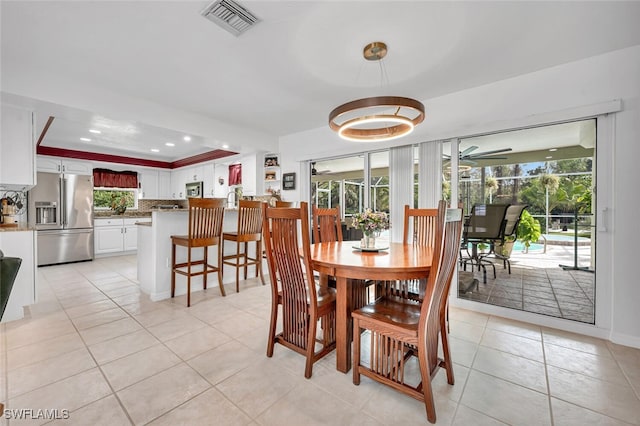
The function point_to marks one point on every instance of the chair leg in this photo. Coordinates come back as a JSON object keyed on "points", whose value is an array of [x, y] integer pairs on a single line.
{"points": [[173, 270], [271, 341], [189, 277], [259, 261], [206, 268], [238, 268], [220, 268], [356, 352], [246, 260], [446, 352], [311, 340]]}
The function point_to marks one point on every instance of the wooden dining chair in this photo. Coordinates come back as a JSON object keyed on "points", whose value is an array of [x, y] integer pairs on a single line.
{"points": [[303, 302], [280, 203], [327, 227], [401, 329], [249, 230], [421, 227], [205, 229]]}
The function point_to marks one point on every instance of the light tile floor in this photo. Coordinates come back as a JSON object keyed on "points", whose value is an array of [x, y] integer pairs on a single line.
{"points": [[96, 346]]}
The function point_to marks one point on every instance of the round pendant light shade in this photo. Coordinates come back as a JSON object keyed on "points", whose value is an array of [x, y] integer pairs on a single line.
{"points": [[378, 118]]}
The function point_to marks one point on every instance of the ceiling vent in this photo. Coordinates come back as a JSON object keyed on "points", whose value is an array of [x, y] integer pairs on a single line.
{"points": [[230, 16]]}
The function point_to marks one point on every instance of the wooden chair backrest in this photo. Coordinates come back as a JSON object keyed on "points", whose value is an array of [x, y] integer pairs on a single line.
{"points": [[434, 307], [288, 239], [205, 221], [250, 218], [281, 204], [327, 225], [421, 225]]}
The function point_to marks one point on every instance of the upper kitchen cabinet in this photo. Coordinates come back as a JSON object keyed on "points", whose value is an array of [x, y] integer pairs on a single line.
{"points": [[64, 165], [17, 148], [209, 183], [249, 175], [164, 185], [179, 179], [148, 182]]}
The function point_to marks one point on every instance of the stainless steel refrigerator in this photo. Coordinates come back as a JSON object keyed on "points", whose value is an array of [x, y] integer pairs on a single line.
{"points": [[61, 210]]}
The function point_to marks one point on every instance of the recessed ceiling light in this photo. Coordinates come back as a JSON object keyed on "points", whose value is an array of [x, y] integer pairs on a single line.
{"points": [[155, 150], [549, 157], [97, 132], [553, 149], [187, 138], [170, 144], [225, 146], [85, 139]]}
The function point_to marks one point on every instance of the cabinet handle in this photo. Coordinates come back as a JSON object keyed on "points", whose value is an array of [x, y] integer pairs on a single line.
{"points": [[58, 167], [64, 168]]}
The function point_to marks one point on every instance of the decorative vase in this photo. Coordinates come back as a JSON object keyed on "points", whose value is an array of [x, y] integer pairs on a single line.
{"points": [[368, 240]]}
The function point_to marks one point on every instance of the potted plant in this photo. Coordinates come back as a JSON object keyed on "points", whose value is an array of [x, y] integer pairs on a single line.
{"points": [[503, 249], [371, 224], [528, 230]]}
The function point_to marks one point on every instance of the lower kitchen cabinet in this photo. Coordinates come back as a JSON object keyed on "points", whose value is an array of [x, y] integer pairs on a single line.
{"points": [[114, 235]]}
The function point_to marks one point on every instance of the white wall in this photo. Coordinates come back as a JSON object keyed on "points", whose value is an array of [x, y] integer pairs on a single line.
{"points": [[537, 98]]}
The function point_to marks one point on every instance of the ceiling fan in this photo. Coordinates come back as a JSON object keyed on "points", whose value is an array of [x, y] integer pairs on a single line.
{"points": [[315, 172], [467, 156]]}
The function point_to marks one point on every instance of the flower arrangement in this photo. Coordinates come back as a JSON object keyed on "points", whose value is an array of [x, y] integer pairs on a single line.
{"points": [[371, 223]]}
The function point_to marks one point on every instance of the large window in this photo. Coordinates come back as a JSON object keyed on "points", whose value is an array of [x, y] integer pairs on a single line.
{"points": [[110, 198]]}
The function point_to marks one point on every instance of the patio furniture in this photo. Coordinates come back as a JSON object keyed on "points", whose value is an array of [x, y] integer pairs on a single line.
{"points": [[485, 225], [303, 302], [401, 329], [509, 234]]}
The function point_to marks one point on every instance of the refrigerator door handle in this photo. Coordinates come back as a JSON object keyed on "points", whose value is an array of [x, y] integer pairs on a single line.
{"points": [[63, 203]]}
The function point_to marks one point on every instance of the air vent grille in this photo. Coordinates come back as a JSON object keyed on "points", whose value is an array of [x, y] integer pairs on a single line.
{"points": [[230, 16]]}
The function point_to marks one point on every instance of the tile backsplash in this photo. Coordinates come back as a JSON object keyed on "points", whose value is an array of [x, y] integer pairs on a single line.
{"points": [[146, 205]]}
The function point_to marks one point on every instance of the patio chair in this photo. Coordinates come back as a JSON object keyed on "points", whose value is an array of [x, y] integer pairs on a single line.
{"points": [[510, 230], [485, 225]]}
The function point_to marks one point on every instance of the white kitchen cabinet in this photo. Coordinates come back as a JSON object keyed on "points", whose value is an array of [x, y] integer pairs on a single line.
{"points": [[178, 182], [17, 148], [148, 184], [130, 236], [108, 239], [164, 185], [249, 176], [20, 244], [209, 181], [194, 174], [64, 165], [115, 235]]}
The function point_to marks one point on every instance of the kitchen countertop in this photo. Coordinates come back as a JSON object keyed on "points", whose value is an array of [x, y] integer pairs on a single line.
{"points": [[110, 215], [19, 228]]}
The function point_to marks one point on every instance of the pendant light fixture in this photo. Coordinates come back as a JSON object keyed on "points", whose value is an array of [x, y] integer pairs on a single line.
{"points": [[379, 118]]}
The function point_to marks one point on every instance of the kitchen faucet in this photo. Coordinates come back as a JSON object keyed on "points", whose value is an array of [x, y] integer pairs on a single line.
{"points": [[231, 202]]}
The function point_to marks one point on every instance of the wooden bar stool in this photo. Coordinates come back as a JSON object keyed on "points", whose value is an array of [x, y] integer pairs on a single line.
{"points": [[205, 227], [249, 229]]}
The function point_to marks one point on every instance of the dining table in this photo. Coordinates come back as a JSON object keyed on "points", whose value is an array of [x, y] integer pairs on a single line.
{"points": [[345, 260]]}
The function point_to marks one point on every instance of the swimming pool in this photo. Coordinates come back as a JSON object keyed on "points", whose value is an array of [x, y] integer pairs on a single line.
{"points": [[563, 240]]}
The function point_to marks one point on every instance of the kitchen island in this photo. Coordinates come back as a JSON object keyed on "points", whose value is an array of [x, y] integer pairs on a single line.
{"points": [[154, 253]]}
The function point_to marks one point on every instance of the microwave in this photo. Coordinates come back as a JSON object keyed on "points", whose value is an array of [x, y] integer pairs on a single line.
{"points": [[194, 190]]}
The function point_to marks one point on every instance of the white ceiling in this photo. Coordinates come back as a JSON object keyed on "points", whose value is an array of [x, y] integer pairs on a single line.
{"points": [[94, 63]]}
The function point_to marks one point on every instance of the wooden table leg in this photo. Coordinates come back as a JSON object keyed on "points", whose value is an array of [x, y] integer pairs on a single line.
{"points": [[343, 343]]}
